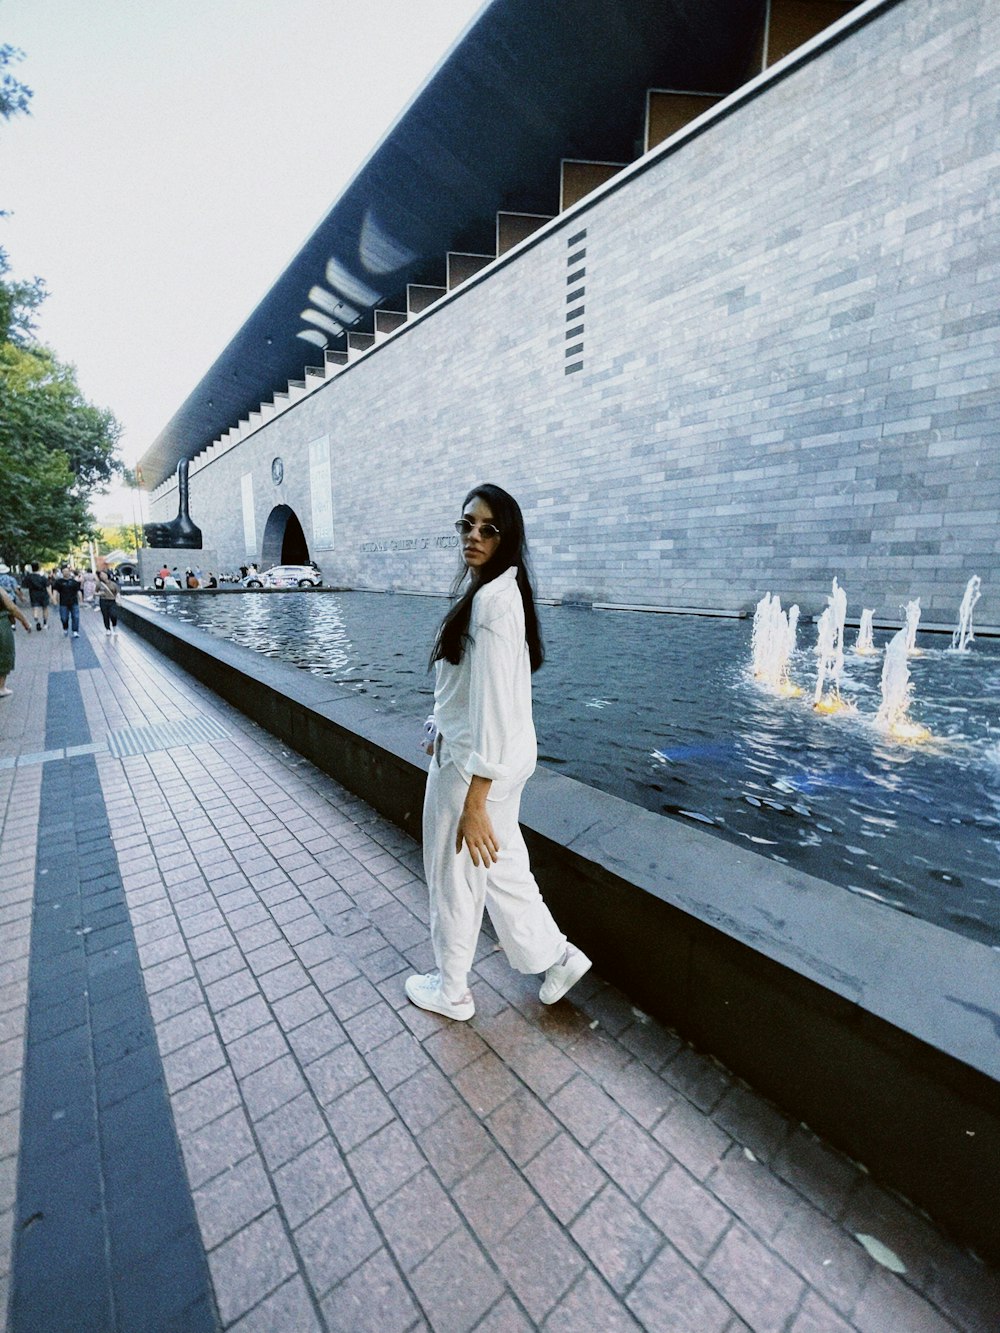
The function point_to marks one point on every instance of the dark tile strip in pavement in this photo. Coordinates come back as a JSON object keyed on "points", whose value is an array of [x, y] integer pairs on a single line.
{"points": [[84, 657], [106, 1235]]}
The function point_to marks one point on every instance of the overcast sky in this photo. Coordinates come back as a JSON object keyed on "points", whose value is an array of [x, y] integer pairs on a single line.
{"points": [[177, 155]]}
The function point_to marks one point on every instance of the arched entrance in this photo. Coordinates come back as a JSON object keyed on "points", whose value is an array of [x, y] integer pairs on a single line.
{"points": [[284, 541]]}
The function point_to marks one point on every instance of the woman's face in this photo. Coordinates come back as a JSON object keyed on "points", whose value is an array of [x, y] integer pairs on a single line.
{"points": [[477, 548]]}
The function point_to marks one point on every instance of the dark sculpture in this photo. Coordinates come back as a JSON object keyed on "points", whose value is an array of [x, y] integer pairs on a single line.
{"points": [[181, 533]]}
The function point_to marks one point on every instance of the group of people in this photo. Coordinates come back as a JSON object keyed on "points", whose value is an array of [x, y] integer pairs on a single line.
{"points": [[67, 586], [191, 578]]}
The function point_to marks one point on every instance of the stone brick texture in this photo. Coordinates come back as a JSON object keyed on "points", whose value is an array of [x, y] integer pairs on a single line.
{"points": [[790, 368]]}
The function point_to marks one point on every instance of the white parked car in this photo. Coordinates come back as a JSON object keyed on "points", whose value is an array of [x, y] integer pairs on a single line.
{"points": [[286, 576]]}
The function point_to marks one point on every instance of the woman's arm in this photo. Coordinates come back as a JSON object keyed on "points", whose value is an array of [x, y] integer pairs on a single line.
{"points": [[493, 657], [496, 642], [9, 605]]}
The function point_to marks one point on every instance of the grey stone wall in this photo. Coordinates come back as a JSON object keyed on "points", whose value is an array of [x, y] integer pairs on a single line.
{"points": [[788, 367]]}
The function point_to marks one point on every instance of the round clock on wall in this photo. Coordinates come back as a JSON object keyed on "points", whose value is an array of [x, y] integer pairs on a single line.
{"points": [[277, 471]]}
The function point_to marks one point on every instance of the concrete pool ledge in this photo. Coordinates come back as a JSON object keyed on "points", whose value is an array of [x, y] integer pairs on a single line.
{"points": [[879, 1031]]}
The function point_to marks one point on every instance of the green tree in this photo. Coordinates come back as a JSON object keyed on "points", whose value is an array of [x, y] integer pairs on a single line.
{"points": [[125, 537], [40, 400], [18, 302], [40, 516], [55, 447]]}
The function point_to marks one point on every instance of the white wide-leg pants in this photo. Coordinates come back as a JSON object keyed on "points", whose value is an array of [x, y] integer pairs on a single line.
{"points": [[459, 889]]}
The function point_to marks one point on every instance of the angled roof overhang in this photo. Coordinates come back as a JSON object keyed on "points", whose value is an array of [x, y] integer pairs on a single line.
{"points": [[529, 84]]}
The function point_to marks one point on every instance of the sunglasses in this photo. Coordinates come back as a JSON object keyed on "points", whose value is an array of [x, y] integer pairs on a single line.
{"points": [[465, 527]]}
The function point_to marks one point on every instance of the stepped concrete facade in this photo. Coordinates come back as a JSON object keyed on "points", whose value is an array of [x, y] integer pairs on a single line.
{"points": [[764, 354]]}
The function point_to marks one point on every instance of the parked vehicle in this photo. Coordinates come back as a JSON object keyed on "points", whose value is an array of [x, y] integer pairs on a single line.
{"points": [[286, 576]]}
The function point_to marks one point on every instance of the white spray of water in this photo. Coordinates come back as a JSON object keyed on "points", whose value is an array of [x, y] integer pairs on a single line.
{"points": [[838, 604], [895, 683], [773, 641], [892, 715], [830, 643], [865, 642], [793, 626], [963, 635], [911, 612], [825, 651]]}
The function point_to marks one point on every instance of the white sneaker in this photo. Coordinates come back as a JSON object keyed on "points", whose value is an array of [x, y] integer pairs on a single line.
{"points": [[563, 975], [76, 634], [426, 993], [5, 693]]}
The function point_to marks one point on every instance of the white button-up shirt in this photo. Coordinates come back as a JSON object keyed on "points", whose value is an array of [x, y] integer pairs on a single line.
{"points": [[482, 706]]}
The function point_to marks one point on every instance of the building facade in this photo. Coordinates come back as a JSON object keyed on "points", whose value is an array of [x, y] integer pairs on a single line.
{"points": [[764, 354]]}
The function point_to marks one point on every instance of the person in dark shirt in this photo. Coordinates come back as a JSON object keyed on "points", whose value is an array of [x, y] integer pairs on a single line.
{"points": [[67, 587], [37, 586]]}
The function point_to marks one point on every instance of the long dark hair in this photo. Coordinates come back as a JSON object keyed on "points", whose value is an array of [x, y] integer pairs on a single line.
{"points": [[512, 550]]}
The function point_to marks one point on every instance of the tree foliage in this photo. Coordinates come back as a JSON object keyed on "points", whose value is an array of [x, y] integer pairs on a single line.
{"points": [[125, 537], [55, 447], [18, 302], [41, 402], [14, 95]]}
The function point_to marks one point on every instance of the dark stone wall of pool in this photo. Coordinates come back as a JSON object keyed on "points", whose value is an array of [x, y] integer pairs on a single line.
{"points": [[879, 1031]]}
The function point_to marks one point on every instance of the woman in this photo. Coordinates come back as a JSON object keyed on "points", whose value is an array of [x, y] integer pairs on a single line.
{"points": [[9, 612], [107, 597], [483, 753]]}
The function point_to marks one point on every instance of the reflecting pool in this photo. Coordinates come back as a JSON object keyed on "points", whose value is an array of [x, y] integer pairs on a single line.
{"points": [[663, 711]]}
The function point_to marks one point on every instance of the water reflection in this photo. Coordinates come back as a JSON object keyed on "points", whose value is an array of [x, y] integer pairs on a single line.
{"points": [[662, 710]]}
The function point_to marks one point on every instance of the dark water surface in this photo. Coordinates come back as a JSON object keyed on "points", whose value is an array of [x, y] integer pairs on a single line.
{"points": [[661, 710]]}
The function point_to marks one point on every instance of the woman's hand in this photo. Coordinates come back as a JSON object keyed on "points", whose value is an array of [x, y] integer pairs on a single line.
{"points": [[8, 604], [475, 828]]}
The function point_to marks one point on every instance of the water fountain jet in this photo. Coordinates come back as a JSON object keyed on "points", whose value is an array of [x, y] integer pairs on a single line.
{"points": [[911, 612], [864, 645], [963, 635], [772, 644], [830, 651], [896, 692]]}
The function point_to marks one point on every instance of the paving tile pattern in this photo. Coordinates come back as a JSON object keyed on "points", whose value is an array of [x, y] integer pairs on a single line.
{"points": [[357, 1163], [107, 1236]]}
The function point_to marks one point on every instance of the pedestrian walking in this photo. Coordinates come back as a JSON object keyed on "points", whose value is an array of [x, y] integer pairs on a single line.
{"points": [[37, 585], [67, 589], [9, 613], [482, 739], [107, 600]]}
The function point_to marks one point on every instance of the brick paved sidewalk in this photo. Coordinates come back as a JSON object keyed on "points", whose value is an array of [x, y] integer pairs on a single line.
{"points": [[353, 1162]]}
